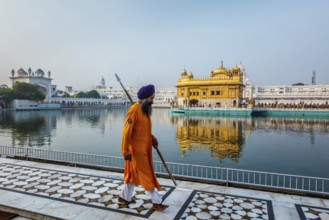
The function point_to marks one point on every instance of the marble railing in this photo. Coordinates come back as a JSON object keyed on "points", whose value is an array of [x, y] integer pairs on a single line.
{"points": [[236, 177]]}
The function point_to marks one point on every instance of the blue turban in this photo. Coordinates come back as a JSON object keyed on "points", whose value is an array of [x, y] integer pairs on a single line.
{"points": [[145, 92]]}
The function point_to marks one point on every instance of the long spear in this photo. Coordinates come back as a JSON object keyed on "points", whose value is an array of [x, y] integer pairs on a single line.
{"points": [[157, 149]]}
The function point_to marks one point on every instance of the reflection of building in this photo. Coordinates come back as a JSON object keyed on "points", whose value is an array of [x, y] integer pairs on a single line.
{"points": [[222, 89], [32, 128], [295, 126], [223, 137], [38, 77]]}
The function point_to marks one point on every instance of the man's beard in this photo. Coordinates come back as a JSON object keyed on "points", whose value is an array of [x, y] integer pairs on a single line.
{"points": [[147, 107]]}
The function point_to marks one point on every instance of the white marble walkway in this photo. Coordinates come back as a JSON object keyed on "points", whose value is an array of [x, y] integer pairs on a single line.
{"points": [[46, 191]]}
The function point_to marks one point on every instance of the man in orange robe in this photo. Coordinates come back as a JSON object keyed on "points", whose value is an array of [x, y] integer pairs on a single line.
{"points": [[137, 141]]}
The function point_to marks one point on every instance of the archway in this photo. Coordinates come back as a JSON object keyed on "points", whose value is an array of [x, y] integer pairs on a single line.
{"points": [[194, 103]]}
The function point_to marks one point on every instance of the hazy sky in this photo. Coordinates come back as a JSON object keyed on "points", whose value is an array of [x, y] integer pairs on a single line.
{"points": [[151, 41]]}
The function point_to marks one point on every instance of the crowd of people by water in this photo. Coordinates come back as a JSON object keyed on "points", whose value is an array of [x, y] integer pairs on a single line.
{"points": [[95, 104], [259, 105], [293, 105]]}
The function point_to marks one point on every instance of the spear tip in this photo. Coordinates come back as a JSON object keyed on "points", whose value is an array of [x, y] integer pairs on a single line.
{"points": [[118, 79]]}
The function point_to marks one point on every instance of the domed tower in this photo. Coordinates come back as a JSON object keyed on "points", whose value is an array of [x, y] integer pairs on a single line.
{"points": [[184, 73], [39, 73], [21, 72], [102, 84], [236, 70], [247, 84], [190, 75], [221, 71]]}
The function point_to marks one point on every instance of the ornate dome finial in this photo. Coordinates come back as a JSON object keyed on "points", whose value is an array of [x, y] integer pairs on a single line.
{"points": [[21, 72], [39, 72], [184, 72], [190, 75], [220, 71]]}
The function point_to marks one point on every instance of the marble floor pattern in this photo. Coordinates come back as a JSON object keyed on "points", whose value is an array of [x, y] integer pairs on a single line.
{"points": [[93, 191], [40, 190], [208, 205], [311, 212]]}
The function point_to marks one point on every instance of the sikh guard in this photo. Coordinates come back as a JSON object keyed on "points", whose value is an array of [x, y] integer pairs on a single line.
{"points": [[137, 141]]}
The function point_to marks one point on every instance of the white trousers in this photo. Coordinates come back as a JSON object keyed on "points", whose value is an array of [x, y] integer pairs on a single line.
{"points": [[128, 190]]}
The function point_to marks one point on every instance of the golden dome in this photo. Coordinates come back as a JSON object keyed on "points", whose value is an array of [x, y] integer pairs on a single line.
{"points": [[236, 70], [184, 72], [220, 71]]}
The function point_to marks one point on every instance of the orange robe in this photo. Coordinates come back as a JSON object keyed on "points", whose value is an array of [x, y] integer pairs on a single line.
{"points": [[137, 141]]}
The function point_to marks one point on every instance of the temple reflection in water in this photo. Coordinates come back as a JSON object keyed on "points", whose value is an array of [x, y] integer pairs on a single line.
{"points": [[226, 137], [223, 137], [196, 140]]}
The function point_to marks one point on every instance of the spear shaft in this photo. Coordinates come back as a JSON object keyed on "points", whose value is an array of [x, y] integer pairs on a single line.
{"points": [[131, 101]]}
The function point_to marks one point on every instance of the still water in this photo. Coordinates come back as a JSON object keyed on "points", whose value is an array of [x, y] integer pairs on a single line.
{"points": [[286, 145]]}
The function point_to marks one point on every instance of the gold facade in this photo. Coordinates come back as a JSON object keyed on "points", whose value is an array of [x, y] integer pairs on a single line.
{"points": [[222, 89]]}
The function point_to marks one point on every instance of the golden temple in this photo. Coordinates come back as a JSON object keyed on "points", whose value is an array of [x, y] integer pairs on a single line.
{"points": [[223, 89]]}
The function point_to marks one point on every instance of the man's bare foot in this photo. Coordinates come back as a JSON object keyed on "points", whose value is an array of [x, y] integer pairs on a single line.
{"points": [[159, 207], [125, 202]]}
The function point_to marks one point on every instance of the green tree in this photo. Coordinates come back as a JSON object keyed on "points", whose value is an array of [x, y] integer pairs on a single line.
{"points": [[298, 84], [28, 91], [6, 95], [81, 95], [93, 94]]}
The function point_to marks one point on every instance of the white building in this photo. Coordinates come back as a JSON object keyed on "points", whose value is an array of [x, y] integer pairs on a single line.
{"points": [[163, 96], [38, 78], [285, 94]]}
